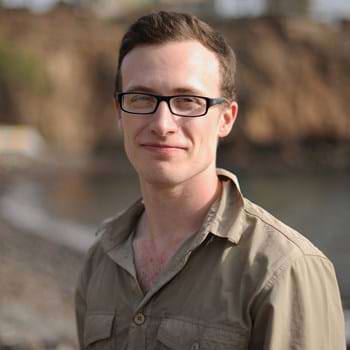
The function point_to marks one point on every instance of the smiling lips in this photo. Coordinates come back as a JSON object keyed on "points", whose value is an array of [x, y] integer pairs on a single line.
{"points": [[160, 147]]}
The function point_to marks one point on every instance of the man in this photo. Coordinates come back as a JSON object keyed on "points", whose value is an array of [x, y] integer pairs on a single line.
{"points": [[193, 264]]}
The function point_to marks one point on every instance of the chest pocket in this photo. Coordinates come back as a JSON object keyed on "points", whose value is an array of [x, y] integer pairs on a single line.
{"points": [[187, 335], [98, 331]]}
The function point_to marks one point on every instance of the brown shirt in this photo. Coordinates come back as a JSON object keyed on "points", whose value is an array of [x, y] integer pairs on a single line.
{"points": [[244, 281]]}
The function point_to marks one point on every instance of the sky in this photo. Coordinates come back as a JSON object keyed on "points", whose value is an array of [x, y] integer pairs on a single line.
{"points": [[35, 5], [327, 9]]}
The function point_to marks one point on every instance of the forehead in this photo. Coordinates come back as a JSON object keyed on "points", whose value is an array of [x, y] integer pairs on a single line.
{"points": [[173, 66]]}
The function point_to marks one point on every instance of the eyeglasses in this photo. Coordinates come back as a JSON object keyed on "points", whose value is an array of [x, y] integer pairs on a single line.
{"points": [[181, 105]]}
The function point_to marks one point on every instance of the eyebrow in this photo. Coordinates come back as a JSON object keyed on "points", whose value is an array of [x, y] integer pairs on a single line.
{"points": [[140, 88], [180, 90]]}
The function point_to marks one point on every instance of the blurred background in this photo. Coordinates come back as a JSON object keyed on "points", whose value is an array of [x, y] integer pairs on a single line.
{"points": [[63, 169]]}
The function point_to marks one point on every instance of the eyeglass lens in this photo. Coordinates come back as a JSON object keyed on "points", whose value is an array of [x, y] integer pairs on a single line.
{"points": [[181, 105]]}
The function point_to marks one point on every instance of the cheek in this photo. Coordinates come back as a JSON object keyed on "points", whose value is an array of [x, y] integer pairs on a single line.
{"points": [[131, 129], [205, 136]]}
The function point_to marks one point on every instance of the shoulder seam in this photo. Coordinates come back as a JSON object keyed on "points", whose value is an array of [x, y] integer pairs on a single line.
{"points": [[270, 225], [284, 234]]}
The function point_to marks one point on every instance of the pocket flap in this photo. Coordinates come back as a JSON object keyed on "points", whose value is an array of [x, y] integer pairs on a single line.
{"points": [[98, 326], [175, 333]]}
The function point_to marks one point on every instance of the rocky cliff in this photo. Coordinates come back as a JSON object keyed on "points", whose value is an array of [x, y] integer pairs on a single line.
{"points": [[57, 72]]}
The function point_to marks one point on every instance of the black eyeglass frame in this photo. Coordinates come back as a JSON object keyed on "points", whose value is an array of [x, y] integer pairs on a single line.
{"points": [[210, 102]]}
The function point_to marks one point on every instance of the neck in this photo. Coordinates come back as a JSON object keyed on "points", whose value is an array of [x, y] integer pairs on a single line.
{"points": [[174, 213]]}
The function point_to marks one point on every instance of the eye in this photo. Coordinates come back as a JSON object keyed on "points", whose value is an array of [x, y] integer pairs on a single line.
{"points": [[188, 102], [185, 99], [139, 98]]}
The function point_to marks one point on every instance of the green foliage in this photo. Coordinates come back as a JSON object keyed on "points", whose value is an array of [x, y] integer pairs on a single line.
{"points": [[21, 70]]}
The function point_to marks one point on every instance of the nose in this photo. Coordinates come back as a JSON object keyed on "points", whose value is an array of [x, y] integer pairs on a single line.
{"points": [[163, 121]]}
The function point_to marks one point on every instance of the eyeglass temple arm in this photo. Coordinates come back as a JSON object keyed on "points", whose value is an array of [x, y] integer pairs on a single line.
{"points": [[216, 101]]}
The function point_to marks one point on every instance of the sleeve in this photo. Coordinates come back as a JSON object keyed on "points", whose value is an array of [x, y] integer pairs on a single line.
{"points": [[299, 309]]}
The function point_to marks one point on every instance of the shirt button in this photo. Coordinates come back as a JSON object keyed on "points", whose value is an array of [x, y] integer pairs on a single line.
{"points": [[139, 318], [195, 346]]}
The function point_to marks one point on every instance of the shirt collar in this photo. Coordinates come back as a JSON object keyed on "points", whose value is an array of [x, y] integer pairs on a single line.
{"points": [[227, 222], [118, 228], [224, 218]]}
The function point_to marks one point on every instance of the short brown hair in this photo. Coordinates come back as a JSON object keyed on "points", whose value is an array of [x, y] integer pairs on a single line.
{"points": [[162, 27]]}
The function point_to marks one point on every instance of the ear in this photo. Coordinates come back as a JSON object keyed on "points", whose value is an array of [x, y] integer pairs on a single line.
{"points": [[118, 114], [227, 119]]}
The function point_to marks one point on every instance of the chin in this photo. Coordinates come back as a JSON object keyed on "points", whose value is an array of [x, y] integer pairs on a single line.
{"points": [[161, 178], [163, 175]]}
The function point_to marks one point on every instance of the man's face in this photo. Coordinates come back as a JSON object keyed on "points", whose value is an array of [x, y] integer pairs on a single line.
{"points": [[166, 149]]}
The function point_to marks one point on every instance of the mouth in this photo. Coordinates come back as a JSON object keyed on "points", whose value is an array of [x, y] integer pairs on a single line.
{"points": [[162, 146], [163, 150]]}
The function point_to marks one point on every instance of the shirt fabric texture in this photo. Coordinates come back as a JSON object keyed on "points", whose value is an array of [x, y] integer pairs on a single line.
{"points": [[244, 281]]}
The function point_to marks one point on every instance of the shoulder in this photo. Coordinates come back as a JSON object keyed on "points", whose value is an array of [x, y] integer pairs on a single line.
{"points": [[271, 249], [270, 231], [294, 286]]}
